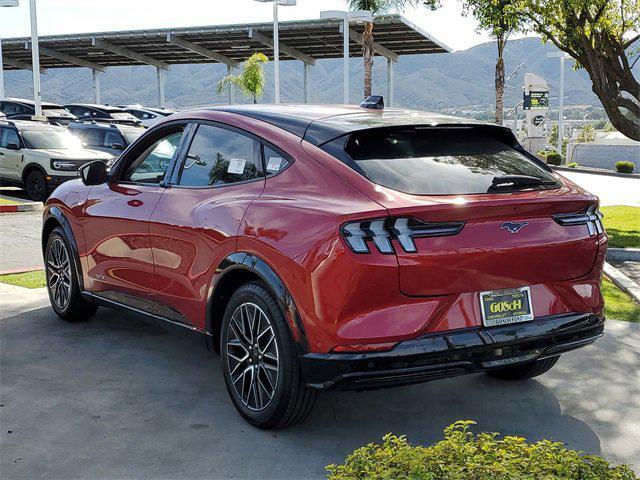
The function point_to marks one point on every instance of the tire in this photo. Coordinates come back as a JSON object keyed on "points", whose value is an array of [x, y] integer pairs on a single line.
{"points": [[524, 372], [36, 186], [268, 393], [62, 280]]}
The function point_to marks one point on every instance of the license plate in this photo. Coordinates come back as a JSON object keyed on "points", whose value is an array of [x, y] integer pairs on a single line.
{"points": [[502, 307]]}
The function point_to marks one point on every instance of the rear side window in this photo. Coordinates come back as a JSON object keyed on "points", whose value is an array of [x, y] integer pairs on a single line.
{"points": [[8, 136], [218, 156], [92, 137], [433, 162], [275, 161]]}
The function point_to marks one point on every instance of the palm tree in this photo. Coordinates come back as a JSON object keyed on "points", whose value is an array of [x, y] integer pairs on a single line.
{"points": [[251, 81], [380, 7]]}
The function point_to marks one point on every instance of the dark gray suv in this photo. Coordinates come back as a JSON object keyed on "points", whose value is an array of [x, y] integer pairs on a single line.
{"points": [[104, 137]]}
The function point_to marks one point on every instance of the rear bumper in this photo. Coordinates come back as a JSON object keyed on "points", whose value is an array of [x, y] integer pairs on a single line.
{"points": [[452, 353]]}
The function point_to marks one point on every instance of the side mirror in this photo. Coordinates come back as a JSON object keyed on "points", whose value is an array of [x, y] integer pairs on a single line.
{"points": [[12, 146], [117, 146], [94, 173]]}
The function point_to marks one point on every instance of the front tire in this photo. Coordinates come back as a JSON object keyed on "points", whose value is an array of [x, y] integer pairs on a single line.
{"points": [[524, 372], [260, 368], [36, 186], [62, 280]]}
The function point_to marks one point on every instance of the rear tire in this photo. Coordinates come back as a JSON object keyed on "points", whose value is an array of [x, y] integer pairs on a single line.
{"points": [[524, 372], [62, 280], [36, 186], [259, 364]]}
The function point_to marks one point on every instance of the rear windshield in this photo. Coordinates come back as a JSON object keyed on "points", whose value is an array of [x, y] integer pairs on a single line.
{"points": [[432, 161]]}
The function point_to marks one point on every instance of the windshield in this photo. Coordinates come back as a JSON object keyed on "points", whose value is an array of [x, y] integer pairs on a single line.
{"points": [[131, 135], [55, 139], [55, 111], [432, 161], [122, 115]]}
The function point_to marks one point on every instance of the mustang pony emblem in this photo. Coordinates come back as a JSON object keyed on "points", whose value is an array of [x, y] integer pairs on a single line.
{"points": [[513, 227]]}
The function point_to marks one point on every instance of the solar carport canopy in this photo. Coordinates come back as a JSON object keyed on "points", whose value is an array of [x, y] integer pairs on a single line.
{"points": [[306, 40]]}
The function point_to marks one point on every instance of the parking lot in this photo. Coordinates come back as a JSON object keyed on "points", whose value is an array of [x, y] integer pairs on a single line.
{"points": [[117, 398]]}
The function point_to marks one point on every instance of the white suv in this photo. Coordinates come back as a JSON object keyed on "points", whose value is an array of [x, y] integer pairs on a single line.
{"points": [[39, 157]]}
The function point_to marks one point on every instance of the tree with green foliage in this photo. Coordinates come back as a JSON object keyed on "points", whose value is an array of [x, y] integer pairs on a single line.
{"points": [[587, 134], [602, 36], [500, 18], [251, 81], [380, 7]]}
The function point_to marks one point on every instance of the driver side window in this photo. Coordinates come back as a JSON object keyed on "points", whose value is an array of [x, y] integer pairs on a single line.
{"points": [[151, 166]]}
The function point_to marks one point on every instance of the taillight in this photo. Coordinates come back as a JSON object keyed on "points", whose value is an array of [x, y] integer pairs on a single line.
{"points": [[381, 232], [591, 218]]}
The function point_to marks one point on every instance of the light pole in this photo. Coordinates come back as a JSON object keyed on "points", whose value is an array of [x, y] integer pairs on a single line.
{"points": [[562, 56], [276, 42], [347, 18], [4, 3]]}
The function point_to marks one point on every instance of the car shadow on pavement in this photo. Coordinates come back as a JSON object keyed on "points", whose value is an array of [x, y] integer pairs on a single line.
{"points": [[115, 397]]}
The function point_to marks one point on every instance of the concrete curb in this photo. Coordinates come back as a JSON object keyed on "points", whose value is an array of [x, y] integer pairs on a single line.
{"points": [[21, 270], [623, 282], [21, 207], [623, 254], [594, 171]]}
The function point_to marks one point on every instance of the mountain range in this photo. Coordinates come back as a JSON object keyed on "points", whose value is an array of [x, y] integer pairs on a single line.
{"points": [[462, 79]]}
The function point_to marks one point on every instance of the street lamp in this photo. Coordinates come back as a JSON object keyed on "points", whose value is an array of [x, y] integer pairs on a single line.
{"points": [[276, 42], [347, 17], [562, 56], [4, 3]]}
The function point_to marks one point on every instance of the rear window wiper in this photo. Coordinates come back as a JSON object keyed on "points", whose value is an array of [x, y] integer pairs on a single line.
{"points": [[514, 182]]}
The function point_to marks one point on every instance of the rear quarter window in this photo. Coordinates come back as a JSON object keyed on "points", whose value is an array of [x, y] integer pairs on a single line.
{"points": [[434, 161]]}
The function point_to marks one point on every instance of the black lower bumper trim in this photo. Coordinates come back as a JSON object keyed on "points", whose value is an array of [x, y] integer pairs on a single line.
{"points": [[452, 353]]}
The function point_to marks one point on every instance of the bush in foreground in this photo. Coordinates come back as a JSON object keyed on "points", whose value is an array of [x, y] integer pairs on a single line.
{"points": [[554, 158], [465, 456], [625, 167]]}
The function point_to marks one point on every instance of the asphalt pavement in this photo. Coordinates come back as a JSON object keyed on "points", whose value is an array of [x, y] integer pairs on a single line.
{"points": [[117, 398]]}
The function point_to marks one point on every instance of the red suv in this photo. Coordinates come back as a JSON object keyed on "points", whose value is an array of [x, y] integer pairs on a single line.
{"points": [[334, 247]]}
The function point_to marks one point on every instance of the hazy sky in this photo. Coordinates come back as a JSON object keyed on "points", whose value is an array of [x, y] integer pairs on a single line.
{"points": [[76, 16]]}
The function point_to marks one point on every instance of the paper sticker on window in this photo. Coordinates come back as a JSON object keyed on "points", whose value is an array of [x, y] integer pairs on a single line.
{"points": [[273, 165], [236, 165]]}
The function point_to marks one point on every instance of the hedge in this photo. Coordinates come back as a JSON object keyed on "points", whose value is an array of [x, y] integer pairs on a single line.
{"points": [[554, 158], [465, 456], [625, 167]]}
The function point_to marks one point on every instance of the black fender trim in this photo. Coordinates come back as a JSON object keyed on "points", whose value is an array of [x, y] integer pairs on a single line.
{"points": [[31, 166], [55, 213], [257, 266]]}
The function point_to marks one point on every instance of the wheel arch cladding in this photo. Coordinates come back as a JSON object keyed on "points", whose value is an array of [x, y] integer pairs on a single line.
{"points": [[236, 270], [30, 168], [55, 218]]}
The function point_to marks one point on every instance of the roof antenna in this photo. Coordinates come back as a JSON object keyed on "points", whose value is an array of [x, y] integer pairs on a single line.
{"points": [[375, 102]]}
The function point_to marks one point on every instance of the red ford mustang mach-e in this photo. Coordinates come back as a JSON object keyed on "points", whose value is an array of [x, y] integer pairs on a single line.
{"points": [[334, 247]]}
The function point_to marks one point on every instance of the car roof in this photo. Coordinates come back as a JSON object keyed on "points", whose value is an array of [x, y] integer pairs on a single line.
{"points": [[106, 108], [105, 126], [31, 103], [30, 125], [319, 124]]}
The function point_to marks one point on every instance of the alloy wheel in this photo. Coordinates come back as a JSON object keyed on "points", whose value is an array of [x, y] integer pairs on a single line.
{"points": [[59, 273], [252, 356], [35, 186]]}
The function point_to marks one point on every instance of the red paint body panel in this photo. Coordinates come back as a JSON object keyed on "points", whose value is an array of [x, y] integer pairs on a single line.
{"points": [[166, 244]]}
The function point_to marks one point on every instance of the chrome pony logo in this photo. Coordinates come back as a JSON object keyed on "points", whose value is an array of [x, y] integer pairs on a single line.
{"points": [[513, 227]]}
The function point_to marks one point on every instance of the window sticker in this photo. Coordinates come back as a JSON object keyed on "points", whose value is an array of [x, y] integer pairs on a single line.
{"points": [[236, 165], [273, 165]]}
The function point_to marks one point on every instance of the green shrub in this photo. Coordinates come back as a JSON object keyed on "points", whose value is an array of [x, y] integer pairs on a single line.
{"points": [[554, 158], [572, 164], [465, 456], [625, 167]]}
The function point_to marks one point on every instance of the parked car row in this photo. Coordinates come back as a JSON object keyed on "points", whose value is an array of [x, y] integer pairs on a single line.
{"points": [[38, 156], [21, 109]]}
